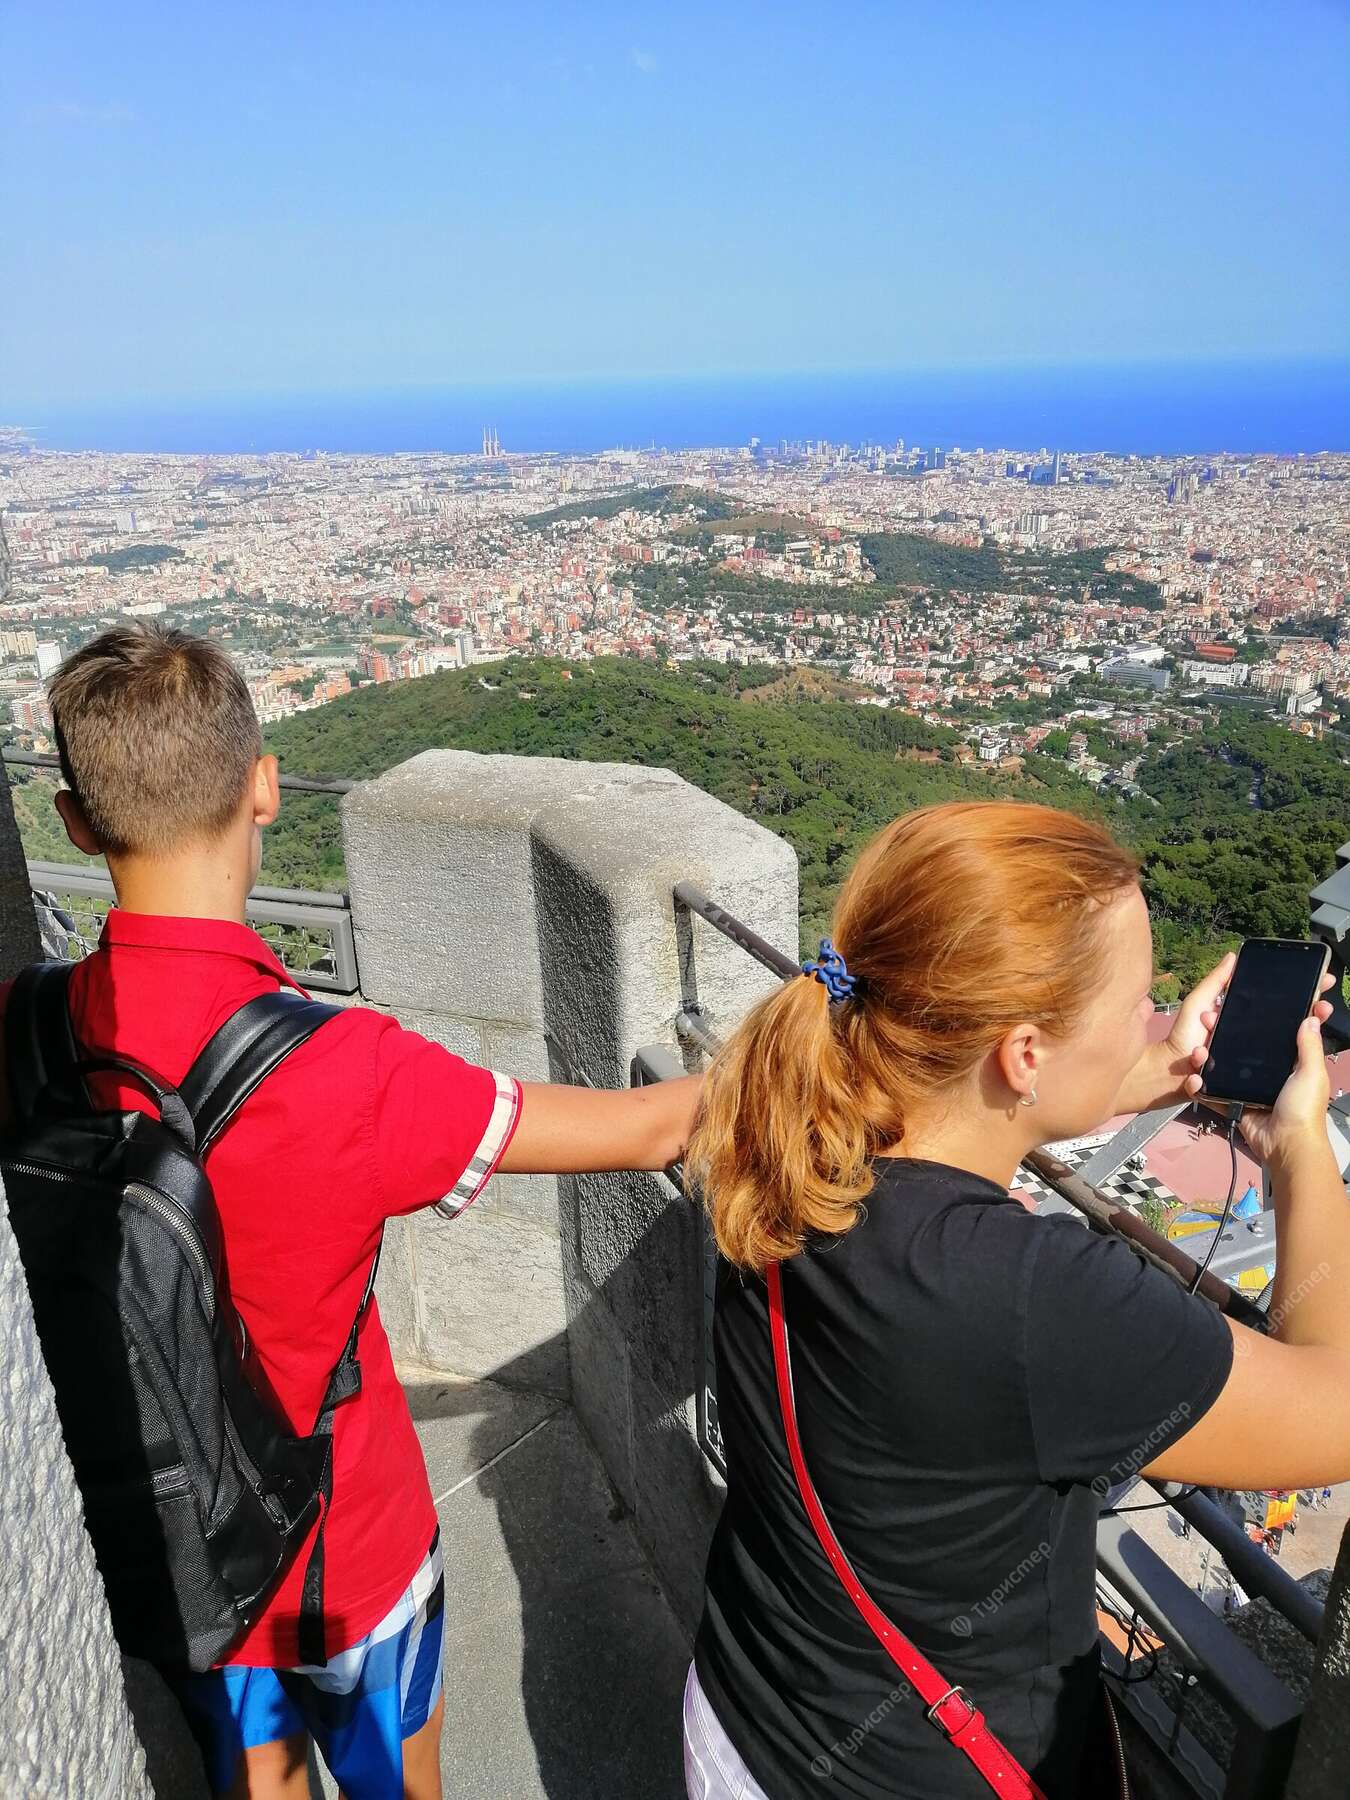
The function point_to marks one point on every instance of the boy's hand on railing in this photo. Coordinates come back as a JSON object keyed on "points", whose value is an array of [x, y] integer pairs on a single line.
{"points": [[572, 1130]]}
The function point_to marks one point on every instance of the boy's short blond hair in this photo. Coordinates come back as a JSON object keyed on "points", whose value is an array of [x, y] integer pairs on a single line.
{"points": [[157, 738]]}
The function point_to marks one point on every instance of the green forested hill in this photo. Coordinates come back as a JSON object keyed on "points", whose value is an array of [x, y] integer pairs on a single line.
{"points": [[903, 565], [643, 500], [1247, 819], [822, 773], [1241, 820]]}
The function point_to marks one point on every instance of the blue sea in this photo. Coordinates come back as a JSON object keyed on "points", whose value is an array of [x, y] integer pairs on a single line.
{"points": [[1282, 408]]}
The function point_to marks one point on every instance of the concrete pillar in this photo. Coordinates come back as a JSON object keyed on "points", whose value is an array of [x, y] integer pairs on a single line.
{"points": [[18, 922], [66, 1731], [1322, 1755], [519, 909]]}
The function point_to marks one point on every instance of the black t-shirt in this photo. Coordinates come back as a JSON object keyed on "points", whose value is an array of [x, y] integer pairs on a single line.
{"points": [[964, 1372]]}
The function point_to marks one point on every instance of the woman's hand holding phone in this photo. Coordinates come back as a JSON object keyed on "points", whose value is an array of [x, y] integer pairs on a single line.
{"points": [[1186, 1045], [1297, 1121], [1173, 1069]]}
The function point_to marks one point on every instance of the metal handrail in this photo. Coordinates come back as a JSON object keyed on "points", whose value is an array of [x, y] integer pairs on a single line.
{"points": [[1098, 1208], [82, 878], [1111, 1215], [301, 784], [687, 894], [289, 907], [1258, 1574], [1262, 1706]]}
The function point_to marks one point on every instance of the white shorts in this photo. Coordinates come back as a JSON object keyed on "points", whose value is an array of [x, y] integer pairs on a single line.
{"points": [[713, 1769]]}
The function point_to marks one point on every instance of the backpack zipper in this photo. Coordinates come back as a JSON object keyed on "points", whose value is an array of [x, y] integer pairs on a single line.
{"points": [[161, 1483], [253, 1475], [164, 1210], [168, 1214]]}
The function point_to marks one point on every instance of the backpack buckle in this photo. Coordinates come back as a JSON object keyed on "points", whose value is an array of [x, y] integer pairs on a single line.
{"points": [[346, 1380], [952, 1693]]}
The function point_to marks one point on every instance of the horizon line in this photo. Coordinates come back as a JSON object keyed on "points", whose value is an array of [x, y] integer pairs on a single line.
{"points": [[963, 367]]}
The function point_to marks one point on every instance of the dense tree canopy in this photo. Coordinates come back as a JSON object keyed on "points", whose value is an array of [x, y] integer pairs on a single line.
{"points": [[135, 556], [822, 773], [1247, 817], [1240, 820]]}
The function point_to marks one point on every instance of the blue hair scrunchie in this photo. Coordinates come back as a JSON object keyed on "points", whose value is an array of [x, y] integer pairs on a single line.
{"points": [[831, 971]]}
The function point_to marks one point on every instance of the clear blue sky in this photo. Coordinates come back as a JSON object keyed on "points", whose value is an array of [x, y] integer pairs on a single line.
{"points": [[302, 196]]}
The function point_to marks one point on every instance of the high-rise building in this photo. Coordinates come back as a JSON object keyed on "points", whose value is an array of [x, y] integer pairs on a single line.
{"points": [[1182, 487]]}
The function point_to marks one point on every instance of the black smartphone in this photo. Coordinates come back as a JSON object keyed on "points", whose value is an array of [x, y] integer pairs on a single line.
{"points": [[1254, 1045]]}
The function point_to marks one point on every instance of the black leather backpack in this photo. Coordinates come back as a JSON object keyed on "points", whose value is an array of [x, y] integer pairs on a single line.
{"points": [[197, 1494]]}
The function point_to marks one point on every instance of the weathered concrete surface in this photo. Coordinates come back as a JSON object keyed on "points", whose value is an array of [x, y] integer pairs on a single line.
{"points": [[520, 909], [66, 1731], [18, 922], [564, 1667], [1322, 1757]]}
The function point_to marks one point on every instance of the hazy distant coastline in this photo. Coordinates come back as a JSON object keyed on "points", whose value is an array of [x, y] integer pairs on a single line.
{"points": [[1177, 409]]}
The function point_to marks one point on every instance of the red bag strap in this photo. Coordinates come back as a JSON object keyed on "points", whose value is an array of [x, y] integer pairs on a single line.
{"points": [[949, 1708]]}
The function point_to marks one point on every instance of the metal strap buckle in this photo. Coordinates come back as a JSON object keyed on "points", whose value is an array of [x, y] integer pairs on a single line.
{"points": [[951, 1693]]}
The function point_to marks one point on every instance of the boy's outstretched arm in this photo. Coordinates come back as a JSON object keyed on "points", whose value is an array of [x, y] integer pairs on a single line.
{"points": [[571, 1130]]}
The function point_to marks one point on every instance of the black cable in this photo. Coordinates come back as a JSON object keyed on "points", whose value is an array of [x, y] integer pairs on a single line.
{"points": [[1234, 1115], [1114, 1512], [1149, 1659]]}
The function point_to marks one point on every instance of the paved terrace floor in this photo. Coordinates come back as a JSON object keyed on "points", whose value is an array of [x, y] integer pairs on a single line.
{"points": [[564, 1667]]}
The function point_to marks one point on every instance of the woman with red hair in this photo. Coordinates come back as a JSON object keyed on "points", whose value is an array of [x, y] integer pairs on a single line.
{"points": [[925, 1389]]}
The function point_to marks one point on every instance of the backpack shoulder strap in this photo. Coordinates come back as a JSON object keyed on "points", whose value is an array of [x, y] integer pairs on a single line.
{"points": [[344, 1381], [243, 1052], [41, 1054], [237, 1059]]}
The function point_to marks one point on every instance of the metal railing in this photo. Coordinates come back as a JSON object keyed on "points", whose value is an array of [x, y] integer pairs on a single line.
{"points": [[299, 784], [310, 932], [1135, 1583], [1147, 1594]]}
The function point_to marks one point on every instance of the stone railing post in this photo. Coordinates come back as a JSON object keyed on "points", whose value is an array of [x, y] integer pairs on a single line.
{"points": [[520, 910]]}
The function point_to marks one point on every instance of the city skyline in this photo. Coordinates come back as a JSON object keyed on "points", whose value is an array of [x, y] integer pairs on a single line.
{"points": [[327, 204]]}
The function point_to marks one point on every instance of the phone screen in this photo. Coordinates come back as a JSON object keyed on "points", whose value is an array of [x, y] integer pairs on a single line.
{"points": [[1254, 1045]]}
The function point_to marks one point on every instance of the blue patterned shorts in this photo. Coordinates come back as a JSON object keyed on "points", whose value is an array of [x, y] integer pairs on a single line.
{"points": [[358, 1706]]}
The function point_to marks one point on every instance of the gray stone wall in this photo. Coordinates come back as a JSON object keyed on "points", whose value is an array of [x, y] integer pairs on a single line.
{"points": [[18, 922], [1322, 1758], [520, 911], [74, 1715], [66, 1730]]}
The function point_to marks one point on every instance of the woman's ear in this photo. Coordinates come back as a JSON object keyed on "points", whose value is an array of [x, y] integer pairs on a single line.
{"points": [[1018, 1055], [77, 826]]}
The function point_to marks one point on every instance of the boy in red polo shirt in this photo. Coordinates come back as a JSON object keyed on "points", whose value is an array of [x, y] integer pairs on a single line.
{"points": [[161, 751]]}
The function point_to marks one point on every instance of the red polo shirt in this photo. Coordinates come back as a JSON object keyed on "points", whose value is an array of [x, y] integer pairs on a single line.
{"points": [[363, 1122]]}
